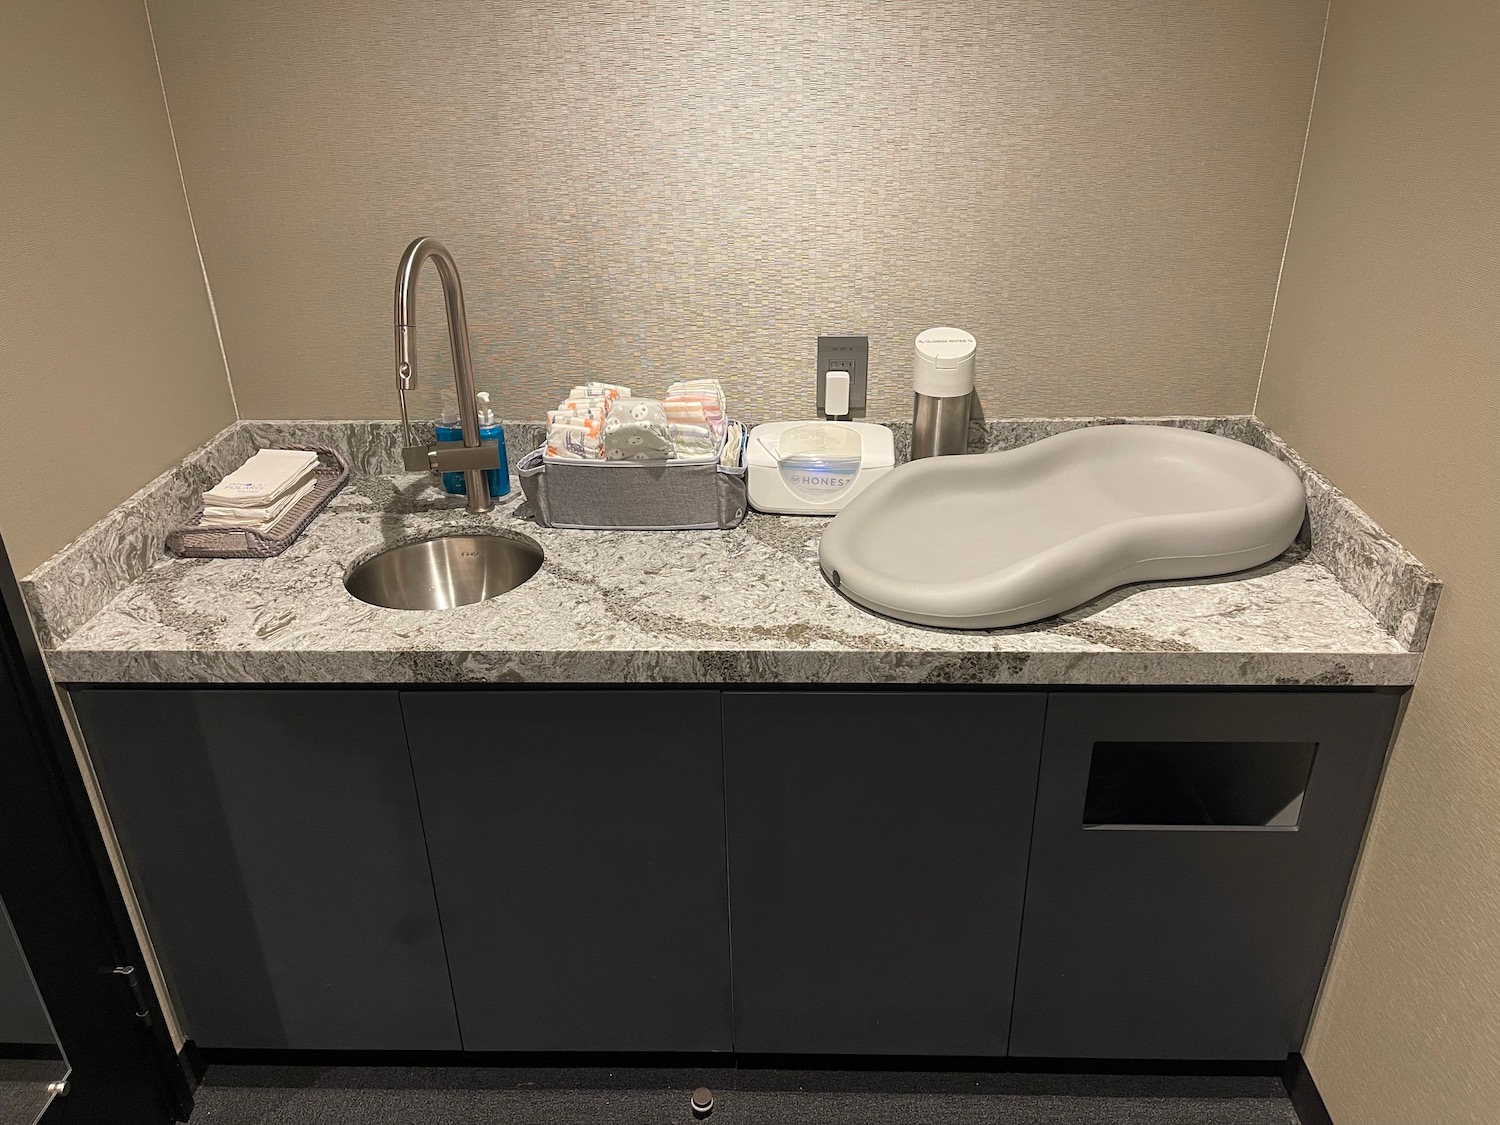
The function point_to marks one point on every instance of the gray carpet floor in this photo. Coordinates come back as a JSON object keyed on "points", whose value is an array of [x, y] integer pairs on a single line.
{"points": [[23, 1088], [255, 1095]]}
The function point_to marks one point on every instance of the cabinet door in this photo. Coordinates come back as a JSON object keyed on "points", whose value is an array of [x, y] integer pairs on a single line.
{"points": [[274, 841], [877, 853], [23, 1020], [1190, 859], [577, 841]]}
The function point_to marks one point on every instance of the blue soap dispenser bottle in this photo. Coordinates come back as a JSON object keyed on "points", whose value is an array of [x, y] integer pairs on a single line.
{"points": [[490, 432], [449, 429]]}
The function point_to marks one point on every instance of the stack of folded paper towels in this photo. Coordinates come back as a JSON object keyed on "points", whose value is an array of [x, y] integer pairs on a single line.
{"points": [[604, 421], [261, 492]]}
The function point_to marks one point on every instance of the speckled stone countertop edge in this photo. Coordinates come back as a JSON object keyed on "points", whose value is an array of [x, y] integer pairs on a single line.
{"points": [[75, 584], [743, 667]]}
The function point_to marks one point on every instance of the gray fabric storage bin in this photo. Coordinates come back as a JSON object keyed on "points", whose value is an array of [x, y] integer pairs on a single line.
{"points": [[633, 495]]}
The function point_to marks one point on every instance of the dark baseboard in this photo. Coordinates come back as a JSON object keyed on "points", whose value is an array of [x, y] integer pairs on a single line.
{"points": [[192, 1062], [946, 1064], [1307, 1102]]}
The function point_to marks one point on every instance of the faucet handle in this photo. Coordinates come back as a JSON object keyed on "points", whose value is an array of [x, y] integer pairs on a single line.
{"points": [[449, 457], [418, 459], [455, 456]]}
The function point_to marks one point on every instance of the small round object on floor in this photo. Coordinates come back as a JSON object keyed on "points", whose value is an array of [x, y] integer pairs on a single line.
{"points": [[703, 1102]]}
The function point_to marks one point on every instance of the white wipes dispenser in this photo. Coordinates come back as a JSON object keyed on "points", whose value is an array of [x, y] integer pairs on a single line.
{"points": [[815, 468]]}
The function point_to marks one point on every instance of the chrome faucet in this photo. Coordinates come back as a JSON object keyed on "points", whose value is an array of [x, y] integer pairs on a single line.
{"points": [[468, 456]]}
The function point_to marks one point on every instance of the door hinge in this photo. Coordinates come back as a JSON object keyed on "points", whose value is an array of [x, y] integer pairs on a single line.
{"points": [[133, 980]]}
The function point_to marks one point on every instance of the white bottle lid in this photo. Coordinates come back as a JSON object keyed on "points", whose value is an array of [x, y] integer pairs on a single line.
{"points": [[486, 414], [944, 363]]}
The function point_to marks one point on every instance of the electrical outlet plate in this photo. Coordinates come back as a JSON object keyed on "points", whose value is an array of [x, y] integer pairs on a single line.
{"points": [[844, 353]]}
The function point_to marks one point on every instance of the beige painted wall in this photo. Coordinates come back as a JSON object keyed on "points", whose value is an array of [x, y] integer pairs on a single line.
{"points": [[1099, 191], [1384, 371], [111, 367]]}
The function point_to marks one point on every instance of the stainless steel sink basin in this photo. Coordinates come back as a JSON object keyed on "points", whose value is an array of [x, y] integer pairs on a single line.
{"points": [[444, 572]]}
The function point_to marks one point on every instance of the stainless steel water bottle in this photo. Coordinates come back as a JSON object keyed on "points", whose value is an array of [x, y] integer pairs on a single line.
{"points": [[943, 379]]}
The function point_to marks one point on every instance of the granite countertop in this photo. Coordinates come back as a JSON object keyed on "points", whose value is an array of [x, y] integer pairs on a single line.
{"points": [[748, 605]]}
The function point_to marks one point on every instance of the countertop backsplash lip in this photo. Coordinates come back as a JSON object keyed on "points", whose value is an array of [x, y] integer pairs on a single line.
{"points": [[70, 590], [80, 579], [1384, 577]]}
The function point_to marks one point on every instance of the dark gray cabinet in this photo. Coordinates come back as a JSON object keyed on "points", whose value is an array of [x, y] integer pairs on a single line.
{"points": [[577, 843], [554, 870], [877, 855], [23, 1020], [274, 840], [1189, 862]]}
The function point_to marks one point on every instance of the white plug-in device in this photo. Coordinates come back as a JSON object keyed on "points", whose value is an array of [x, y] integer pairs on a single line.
{"points": [[836, 394]]}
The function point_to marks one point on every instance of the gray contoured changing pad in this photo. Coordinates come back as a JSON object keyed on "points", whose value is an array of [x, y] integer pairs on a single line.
{"points": [[996, 539]]}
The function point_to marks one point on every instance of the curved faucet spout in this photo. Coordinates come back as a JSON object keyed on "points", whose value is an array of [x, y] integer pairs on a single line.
{"points": [[407, 272]]}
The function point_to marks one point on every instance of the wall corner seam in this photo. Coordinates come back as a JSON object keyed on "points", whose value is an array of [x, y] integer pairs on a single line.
{"points": [[1312, 103], [213, 308]]}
